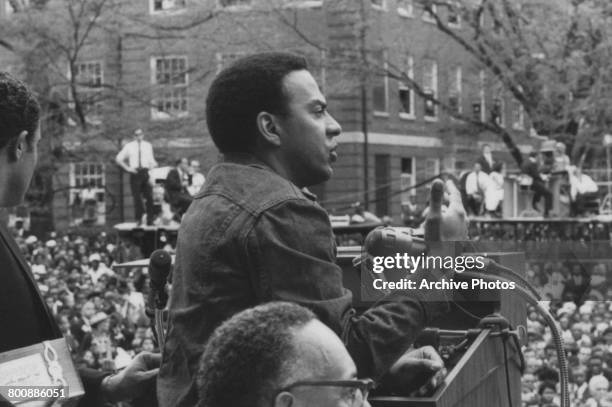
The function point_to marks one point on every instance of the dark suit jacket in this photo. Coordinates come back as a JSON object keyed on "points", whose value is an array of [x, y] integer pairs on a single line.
{"points": [[24, 317], [530, 168], [484, 164], [174, 185]]}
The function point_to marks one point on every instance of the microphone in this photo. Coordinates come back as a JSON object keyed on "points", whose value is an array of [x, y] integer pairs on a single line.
{"points": [[388, 240], [160, 263]]}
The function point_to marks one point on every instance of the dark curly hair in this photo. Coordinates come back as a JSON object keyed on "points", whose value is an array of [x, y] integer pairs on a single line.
{"points": [[247, 355], [240, 92], [19, 110]]}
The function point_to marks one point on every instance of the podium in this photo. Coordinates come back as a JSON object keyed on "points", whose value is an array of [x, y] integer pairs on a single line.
{"points": [[477, 380], [487, 368]]}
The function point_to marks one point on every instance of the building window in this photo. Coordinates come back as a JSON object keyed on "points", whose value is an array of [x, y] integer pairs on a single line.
{"points": [[498, 109], [454, 18], [8, 8], [429, 17], [408, 179], [405, 8], [380, 90], [379, 4], [87, 199], [170, 81], [518, 115], [405, 93], [89, 78], [303, 3], [225, 59], [432, 167], [454, 90], [89, 74], [430, 88], [159, 6], [235, 4], [478, 107], [382, 180]]}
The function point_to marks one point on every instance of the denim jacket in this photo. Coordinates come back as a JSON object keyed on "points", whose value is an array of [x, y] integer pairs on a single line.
{"points": [[249, 237]]}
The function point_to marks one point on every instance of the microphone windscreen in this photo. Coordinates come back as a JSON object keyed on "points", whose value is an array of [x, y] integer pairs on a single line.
{"points": [[160, 263]]}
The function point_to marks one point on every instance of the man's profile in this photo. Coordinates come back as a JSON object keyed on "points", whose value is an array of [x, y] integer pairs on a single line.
{"points": [[254, 234]]}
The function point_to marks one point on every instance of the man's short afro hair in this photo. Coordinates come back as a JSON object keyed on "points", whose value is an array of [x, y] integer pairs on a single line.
{"points": [[247, 355], [250, 85], [19, 110]]}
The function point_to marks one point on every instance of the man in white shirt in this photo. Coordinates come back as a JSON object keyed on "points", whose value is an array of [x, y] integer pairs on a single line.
{"points": [[196, 178], [476, 185], [136, 157]]}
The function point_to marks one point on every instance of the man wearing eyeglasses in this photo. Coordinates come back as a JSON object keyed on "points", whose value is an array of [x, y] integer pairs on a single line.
{"points": [[278, 354]]}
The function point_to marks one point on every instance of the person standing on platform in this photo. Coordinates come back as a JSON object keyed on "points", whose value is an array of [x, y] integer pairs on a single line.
{"points": [[176, 185], [196, 181], [476, 186], [538, 185], [137, 158], [486, 159]]}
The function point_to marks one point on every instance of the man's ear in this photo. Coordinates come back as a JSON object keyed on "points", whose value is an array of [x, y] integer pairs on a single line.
{"points": [[268, 128], [284, 399], [18, 147]]}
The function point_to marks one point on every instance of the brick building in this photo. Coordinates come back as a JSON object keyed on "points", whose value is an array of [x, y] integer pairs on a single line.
{"points": [[152, 70]]}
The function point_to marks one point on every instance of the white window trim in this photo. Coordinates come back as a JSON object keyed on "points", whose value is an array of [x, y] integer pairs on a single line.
{"points": [[220, 56], [481, 96], [458, 73], [407, 12], [434, 78], [410, 72], [413, 177], [89, 61], [500, 95], [155, 114], [323, 72], [304, 4], [176, 10], [520, 125], [90, 118], [458, 23], [235, 7], [384, 113], [382, 7], [427, 17]]}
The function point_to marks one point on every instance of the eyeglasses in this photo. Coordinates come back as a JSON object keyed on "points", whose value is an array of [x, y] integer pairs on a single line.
{"points": [[358, 388]]}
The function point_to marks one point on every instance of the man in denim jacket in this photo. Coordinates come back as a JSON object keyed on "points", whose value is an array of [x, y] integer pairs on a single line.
{"points": [[254, 234]]}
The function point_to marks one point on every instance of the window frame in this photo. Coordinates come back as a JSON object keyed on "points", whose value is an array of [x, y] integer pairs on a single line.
{"points": [[383, 113], [405, 11], [173, 10], [156, 114], [434, 89], [402, 86]]}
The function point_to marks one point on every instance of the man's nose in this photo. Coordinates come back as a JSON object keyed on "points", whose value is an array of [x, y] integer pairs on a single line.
{"points": [[333, 128]]}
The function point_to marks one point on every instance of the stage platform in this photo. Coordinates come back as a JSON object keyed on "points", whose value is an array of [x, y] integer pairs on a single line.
{"points": [[148, 237]]}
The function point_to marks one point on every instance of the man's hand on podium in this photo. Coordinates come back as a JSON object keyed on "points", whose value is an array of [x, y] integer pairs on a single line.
{"points": [[417, 371], [133, 381]]}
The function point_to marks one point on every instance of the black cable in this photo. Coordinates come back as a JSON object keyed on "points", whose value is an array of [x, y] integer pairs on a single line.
{"points": [[507, 369]]}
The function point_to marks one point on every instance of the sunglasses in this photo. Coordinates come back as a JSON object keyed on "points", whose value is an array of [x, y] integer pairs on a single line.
{"points": [[358, 388]]}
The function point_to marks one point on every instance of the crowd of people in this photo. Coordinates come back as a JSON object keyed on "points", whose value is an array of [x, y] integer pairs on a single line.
{"points": [[100, 311], [483, 185], [575, 294]]}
